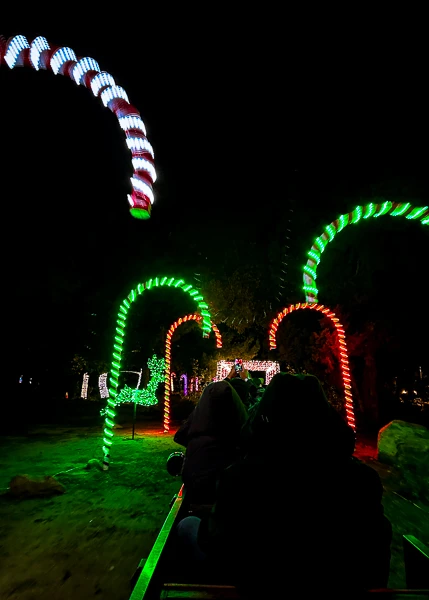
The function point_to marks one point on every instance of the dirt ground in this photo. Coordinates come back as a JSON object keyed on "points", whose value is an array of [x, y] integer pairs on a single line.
{"points": [[89, 540]]}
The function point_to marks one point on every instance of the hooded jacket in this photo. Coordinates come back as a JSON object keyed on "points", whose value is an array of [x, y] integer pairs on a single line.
{"points": [[210, 435], [298, 507]]}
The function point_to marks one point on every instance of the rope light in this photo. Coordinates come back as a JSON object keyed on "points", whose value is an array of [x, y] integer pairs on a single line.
{"points": [[342, 349]]}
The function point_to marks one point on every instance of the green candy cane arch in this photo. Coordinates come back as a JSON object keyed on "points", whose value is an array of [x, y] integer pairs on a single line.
{"points": [[121, 322], [394, 209]]}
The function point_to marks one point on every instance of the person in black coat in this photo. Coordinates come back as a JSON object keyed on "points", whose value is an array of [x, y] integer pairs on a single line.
{"points": [[211, 437], [297, 509]]}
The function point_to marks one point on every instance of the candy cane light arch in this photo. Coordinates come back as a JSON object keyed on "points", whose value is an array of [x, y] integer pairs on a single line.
{"points": [[170, 332], [40, 54], [394, 209], [121, 322], [342, 348]]}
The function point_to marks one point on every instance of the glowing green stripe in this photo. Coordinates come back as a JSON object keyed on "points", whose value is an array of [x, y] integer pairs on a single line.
{"points": [[370, 209], [310, 271], [357, 214], [400, 210], [417, 212], [384, 209], [330, 231], [314, 255]]}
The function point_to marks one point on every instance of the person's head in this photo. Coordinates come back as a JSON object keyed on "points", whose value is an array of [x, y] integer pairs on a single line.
{"points": [[294, 416], [243, 389]]}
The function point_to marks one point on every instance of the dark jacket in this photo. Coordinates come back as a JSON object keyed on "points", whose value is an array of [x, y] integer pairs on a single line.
{"points": [[211, 436], [299, 508]]}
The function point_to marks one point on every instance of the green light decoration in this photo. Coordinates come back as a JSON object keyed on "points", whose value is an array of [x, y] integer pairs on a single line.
{"points": [[147, 396], [121, 322], [394, 209]]}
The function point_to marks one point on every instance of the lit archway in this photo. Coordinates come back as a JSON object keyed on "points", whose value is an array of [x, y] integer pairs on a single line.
{"points": [[342, 348], [174, 326], [394, 209], [269, 367], [39, 54], [169, 282]]}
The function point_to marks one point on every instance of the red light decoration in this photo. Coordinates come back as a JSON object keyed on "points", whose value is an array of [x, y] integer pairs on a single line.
{"points": [[342, 347], [174, 326]]}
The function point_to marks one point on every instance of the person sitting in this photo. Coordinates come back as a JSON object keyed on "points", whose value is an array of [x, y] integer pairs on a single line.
{"points": [[298, 507], [210, 436]]}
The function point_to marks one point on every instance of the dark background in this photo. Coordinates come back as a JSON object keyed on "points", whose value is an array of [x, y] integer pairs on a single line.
{"points": [[264, 131]]}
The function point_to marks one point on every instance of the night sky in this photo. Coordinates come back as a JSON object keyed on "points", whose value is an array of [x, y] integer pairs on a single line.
{"points": [[254, 133]]}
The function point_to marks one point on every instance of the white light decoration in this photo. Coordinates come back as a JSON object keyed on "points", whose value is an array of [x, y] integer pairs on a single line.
{"points": [[112, 93], [142, 186], [60, 57], [83, 66], [269, 367], [17, 45], [102, 385], [172, 376], [132, 122], [139, 145], [37, 47], [141, 164], [100, 81], [85, 71], [84, 392]]}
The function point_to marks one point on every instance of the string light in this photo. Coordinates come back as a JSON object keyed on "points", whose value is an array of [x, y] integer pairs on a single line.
{"points": [[184, 377], [342, 349], [102, 385], [84, 391], [119, 337], [172, 376], [168, 388], [269, 367], [193, 387], [17, 52], [394, 209], [147, 396]]}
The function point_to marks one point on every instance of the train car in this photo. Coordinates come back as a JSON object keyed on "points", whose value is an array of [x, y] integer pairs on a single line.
{"points": [[162, 576]]}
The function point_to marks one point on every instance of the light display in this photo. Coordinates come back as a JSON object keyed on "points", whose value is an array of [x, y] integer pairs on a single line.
{"points": [[168, 377], [342, 348], [193, 387], [102, 385], [184, 378], [84, 390], [268, 366], [121, 322], [145, 397], [172, 376], [394, 209], [39, 54]]}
